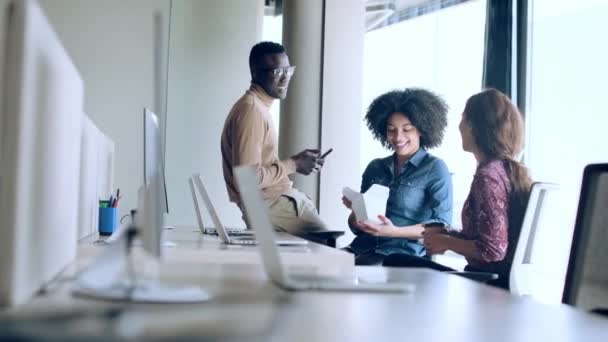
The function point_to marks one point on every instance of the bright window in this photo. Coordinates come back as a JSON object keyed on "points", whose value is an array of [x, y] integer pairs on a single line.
{"points": [[272, 30], [441, 51], [567, 118]]}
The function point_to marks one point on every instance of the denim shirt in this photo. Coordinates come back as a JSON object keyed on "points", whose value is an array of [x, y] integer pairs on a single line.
{"points": [[420, 193]]}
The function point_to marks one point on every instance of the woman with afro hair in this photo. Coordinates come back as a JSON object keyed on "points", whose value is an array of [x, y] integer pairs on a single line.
{"points": [[409, 122]]}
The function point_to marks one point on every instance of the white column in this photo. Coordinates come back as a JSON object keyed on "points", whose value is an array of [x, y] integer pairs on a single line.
{"points": [[323, 107], [301, 110]]}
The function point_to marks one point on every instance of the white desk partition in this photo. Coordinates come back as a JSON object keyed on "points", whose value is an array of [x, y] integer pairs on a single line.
{"points": [[96, 175], [105, 163], [87, 201], [40, 127]]}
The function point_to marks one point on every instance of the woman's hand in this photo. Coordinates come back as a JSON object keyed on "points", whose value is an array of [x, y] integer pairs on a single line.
{"points": [[434, 229], [355, 227], [385, 228], [347, 203], [436, 243]]}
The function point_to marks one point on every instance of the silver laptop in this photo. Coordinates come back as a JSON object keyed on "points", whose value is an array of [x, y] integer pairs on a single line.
{"points": [[285, 239], [257, 216], [232, 231]]}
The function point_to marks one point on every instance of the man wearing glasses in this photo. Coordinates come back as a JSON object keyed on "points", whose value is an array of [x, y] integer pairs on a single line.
{"points": [[249, 138]]}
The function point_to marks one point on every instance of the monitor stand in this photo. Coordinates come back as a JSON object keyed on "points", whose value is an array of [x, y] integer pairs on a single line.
{"points": [[167, 226], [105, 279], [113, 238], [145, 291]]}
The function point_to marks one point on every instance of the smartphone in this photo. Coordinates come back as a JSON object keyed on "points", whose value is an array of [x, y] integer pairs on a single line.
{"points": [[326, 153]]}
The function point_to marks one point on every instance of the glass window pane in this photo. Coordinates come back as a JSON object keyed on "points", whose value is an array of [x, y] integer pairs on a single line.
{"points": [[566, 117], [441, 51], [272, 30]]}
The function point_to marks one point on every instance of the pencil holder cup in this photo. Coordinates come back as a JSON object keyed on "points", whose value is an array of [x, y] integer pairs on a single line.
{"points": [[108, 220]]}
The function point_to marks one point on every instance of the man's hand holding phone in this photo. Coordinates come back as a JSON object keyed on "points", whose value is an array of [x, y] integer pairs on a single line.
{"points": [[326, 153], [306, 161], [309, 161], [321, 159]]}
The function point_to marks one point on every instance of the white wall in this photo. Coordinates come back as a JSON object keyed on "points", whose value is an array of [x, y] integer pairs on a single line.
{"points": [[112, 43], [208, 72]]}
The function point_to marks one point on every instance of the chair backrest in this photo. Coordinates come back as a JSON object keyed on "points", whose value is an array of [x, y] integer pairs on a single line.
{"points": [[586, 285], [522, 268]]}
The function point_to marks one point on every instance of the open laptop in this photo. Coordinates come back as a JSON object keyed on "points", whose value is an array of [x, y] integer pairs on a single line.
{"points": [[285, 239], [258, 218], [199, 218]]}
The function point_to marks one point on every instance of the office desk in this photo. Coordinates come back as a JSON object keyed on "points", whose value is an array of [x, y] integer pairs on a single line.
{"points": [[192, 245], [246, 307]]}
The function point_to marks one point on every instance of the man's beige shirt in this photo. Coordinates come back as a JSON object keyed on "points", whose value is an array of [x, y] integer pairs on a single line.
{"points": [[249, 138]]}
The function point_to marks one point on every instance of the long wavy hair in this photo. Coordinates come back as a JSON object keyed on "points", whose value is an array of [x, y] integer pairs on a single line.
{"points": [[498, 130]]}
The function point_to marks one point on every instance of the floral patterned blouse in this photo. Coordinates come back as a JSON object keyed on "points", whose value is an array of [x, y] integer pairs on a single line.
{"points": [[485, 217]]}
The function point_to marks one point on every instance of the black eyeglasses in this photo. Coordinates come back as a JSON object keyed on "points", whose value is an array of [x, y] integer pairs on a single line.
{"points": [[279, 72]]}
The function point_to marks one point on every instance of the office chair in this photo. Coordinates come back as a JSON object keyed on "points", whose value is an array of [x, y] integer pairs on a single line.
{"points": [[585, 286], [521, 274]]}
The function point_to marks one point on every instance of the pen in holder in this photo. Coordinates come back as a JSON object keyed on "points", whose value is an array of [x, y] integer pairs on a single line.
{"points": [[108, 219]]}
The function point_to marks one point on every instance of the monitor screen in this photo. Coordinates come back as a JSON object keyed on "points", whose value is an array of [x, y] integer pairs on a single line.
{"points": [[587, 278]]}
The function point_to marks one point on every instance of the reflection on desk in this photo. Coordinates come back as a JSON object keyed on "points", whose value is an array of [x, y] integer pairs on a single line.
{"points": [[209, 249], [191, 245], [245, 306]]}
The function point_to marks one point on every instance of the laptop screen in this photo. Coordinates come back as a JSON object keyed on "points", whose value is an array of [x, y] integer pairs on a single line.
{"points": [[221, 232], [257, 215]]}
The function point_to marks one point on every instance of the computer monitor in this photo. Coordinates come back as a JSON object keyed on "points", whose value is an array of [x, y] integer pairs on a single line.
{"points": [[104, 277], [586, 284], [153, 157], [153, 192], [39, 155]]}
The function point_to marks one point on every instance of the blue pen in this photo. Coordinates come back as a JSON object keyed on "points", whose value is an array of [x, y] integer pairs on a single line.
{"points": [[111, 201]]}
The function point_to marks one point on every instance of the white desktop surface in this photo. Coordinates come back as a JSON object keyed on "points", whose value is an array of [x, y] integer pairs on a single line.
{"points": [[191, 245], [245, 306]]}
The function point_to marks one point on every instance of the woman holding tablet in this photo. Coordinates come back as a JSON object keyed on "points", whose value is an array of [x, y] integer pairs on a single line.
{"points": [[408, 122]]}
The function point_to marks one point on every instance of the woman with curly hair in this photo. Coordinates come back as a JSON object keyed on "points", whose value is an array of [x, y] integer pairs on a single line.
{"points": [[409, 122], [492, 130]]}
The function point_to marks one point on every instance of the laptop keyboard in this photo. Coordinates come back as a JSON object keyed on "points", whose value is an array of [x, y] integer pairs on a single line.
{"points": [[244, 241], [230, 231]]}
